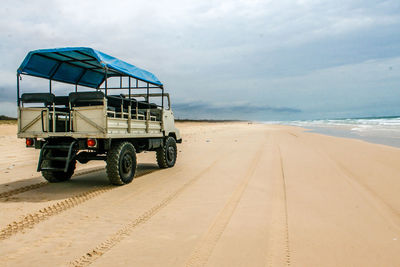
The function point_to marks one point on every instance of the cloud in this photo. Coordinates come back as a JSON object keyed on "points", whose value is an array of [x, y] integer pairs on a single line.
{"points": [[256, 51]]}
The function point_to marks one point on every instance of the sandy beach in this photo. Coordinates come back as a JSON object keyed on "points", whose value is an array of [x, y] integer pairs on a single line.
{"points": [[241, 194]]}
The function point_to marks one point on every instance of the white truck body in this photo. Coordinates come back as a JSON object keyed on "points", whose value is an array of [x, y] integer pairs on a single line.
{"points": [[94, 122]]}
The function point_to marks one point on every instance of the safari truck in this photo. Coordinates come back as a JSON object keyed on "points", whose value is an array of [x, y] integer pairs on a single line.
{"points": [[93, 120]]}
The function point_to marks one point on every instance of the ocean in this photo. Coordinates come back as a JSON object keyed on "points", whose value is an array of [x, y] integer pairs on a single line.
{"points": [[379, 130]]}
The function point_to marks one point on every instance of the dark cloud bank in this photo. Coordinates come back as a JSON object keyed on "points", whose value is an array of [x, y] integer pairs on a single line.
{"points": [[203, 110]]}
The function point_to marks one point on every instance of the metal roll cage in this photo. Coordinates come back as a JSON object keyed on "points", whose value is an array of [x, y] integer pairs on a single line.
{"points": [[108, 73]]}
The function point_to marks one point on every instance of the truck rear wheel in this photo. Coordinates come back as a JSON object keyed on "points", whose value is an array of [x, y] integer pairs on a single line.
{"points": [[59, 176], [166, 155], [121, 163]]}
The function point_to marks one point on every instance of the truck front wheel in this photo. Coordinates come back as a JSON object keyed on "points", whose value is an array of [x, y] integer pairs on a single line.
{"points": [[121, 163], [166, 155]]}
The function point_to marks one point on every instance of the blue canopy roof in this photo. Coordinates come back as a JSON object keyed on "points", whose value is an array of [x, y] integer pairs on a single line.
{"points": [[80, 65]]}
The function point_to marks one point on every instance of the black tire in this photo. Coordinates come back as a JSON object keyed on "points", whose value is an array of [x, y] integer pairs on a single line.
{"points": [[167, 154], [59, 176], [121, 163]]}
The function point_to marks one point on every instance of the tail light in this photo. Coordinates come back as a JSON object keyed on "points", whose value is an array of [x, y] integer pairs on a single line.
{"points": [[91, 143], [30, 142]]}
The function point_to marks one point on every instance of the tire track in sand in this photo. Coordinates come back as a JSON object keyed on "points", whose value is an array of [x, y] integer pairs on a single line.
{"points": [[22, 189], [91, 256], [278, 253], [376, 201], [22, 251], [26, 188], [31, 219], [201, 254]]}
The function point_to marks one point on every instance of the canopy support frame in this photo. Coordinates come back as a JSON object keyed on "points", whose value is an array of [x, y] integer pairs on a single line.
{"points": [[18, 98]]}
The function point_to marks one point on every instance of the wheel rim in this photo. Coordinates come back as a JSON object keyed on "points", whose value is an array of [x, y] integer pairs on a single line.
{"points": [[126, 164], [170, 154]]}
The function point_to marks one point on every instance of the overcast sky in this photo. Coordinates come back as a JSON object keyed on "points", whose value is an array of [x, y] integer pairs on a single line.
{"points": [[261, 60]]}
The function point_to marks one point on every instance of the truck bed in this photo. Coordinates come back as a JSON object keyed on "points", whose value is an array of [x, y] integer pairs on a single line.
{"points": [[90, 121]]}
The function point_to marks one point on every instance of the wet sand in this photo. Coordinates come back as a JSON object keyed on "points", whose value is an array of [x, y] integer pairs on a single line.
{"points": [[240, 195]]}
